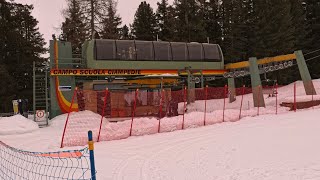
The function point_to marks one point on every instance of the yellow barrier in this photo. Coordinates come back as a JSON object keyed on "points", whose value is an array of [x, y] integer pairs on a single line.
{"points": [[245, 64]]}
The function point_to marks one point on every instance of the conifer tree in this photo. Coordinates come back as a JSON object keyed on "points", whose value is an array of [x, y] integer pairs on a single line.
{"points": [[111, 22], [313, 18], [144, 25], [125, 33], [165, 21], [189, 21], [21, 44], [212, 20], [73, 28]]}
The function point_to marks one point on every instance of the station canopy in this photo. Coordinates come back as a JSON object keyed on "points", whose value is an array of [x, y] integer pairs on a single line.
{"points": [[131, 50]]}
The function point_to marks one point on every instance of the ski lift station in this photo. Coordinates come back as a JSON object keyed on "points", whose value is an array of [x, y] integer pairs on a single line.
{"points": [[127, 65]]}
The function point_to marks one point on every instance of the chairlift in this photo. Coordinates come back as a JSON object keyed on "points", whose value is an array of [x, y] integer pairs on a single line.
{"points": [[269, 86]]}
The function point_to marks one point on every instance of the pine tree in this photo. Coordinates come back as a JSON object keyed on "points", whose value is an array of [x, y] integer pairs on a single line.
{"points": [[165, 21], [73, 28], [144, 25], [94, 13], [190, 21], [212, 20], [313, 22], [21, 44], [300, 25], [273, 28], [124, 33], [313, 18], [111, 22], [236, 26]]}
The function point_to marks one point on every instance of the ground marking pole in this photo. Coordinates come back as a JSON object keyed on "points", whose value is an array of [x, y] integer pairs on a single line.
{"points": [[70, 108], [184, 104], [313, 92], [224, 101], [294, 98], [205, 105], [103, 111], [259, 90], [134, 109], [91, 151], [160, 110], [277, 98], [242, 94]]}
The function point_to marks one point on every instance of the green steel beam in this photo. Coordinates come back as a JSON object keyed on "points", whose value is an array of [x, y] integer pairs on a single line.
{"points": [[305, 74], [256, 83]]}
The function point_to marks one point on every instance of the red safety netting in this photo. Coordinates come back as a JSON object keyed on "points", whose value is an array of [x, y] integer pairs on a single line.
{"points": [[119, 114], [77, 125]]}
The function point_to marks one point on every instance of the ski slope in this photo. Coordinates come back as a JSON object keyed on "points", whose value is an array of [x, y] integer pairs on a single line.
{"points": [[266, 147]]}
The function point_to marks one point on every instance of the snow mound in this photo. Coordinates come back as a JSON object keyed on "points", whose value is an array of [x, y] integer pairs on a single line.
{"points": [[16, 125]]}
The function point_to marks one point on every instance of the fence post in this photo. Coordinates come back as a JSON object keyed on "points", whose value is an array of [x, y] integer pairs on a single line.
{"points": [[103, 111], [294, 98], [242, 94], [160, 110], [91, 151], [134, 109], [312, 98], [70, 108], [205, 104], [225, 94], [259, 91], [276, 98], [184, 104]]}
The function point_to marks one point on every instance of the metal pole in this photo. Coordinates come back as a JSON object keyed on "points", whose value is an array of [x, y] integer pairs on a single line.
{"points": [[225, 94], [294, 98], [46, 91], [202, 80], [103, 111], [160, 110], [184, 104], [91, 151], [259, 90], [243, 88], [34, 91], [277, 98], [134, 109], [70, 108], [205, 105]]}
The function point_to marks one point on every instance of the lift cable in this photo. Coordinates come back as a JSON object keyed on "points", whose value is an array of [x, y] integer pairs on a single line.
{"points": [[311, 52]]}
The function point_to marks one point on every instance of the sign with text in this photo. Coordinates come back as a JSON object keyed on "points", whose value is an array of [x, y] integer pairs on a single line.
{"points": [[124, 72]]}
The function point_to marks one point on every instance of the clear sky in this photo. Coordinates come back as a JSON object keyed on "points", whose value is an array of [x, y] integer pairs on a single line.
{"points": [[49, 13]]}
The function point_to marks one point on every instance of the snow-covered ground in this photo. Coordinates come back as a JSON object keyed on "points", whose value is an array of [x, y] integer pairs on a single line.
{"points": [[16, 125], [263, 147]]}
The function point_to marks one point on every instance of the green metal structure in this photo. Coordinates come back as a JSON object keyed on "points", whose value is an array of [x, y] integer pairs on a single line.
{"points": [[155, 58], [258, 99], [40, 95], [305, 74]]}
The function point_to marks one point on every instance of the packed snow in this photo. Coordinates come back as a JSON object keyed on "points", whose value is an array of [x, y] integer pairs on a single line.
{"points": [[264, 147], [16, 125]]}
